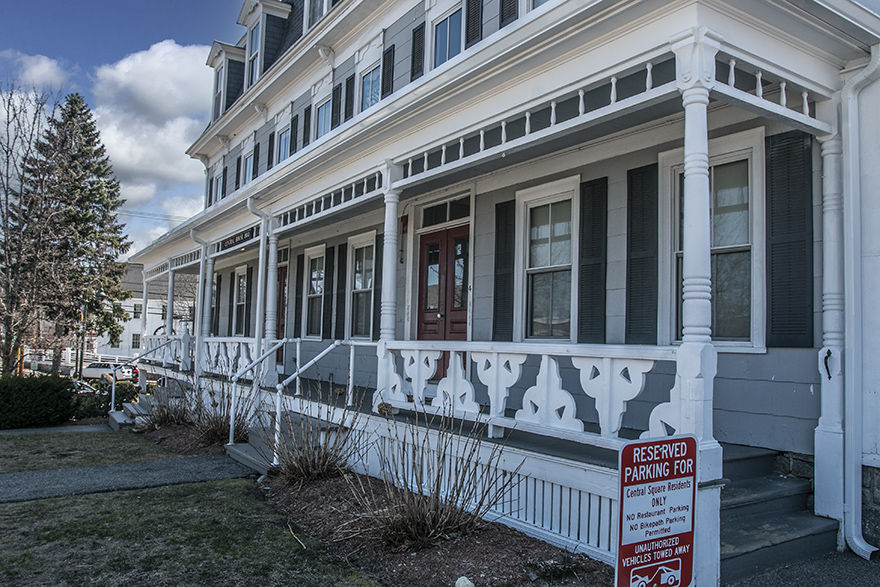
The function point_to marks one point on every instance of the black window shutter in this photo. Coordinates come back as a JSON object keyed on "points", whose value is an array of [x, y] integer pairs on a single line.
{"points": [[210, 191], [473, 22], [789, 240], [223, 191], [294, 131], [249, 279], [591, 290], [238, 173], [298, 296], [271, 149], [502, 312], [215, 317], [508, 12], [377, 285], [327, 318], [307, 125], [230, 325], [256, 169], [336, 106], [388, 71], [641, 255], [341, 276], [349, 97], [417, 64]]}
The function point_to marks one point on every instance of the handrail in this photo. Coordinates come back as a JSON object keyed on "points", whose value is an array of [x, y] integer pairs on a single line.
{"points": [[116, 368], [241, 373], [278, 344], [280, 387]]}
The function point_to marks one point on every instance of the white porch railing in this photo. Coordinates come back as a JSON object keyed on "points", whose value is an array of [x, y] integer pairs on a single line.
{"points": [[611, 375], [179, 352], [227, 355]]}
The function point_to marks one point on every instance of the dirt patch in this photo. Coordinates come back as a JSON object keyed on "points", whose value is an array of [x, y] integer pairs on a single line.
{"points": [[493, 556], [184, 440]]}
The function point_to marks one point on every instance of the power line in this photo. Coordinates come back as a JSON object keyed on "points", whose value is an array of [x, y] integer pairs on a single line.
{"points": [[153, 216]]}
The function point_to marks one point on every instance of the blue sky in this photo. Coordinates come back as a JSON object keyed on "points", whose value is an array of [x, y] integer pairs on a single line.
{"points": [[141, 68]]}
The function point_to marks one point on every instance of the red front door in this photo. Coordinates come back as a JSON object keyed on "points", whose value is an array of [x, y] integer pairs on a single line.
{"points": [[443, 286]]}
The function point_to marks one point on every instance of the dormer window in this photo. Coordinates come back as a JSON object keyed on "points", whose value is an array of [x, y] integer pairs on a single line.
{"points": [[254, 55]]}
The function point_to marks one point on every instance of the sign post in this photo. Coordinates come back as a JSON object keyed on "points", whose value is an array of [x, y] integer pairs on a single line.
{"points": [[658, 482]]}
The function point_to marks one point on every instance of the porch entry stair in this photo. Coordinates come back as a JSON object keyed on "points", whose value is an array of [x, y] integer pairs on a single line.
{"points": [[766, 518]]}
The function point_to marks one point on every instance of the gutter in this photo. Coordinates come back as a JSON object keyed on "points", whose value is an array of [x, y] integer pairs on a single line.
{"points": [[853, 354], [200, 300], [261, 276]]}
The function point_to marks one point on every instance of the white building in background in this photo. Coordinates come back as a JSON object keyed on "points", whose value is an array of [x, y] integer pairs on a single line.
{"points": [[150, 322], [585, 220]]}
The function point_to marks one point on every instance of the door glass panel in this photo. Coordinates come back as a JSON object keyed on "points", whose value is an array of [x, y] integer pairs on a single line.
{"points": [[432, 284], [460, 274]]}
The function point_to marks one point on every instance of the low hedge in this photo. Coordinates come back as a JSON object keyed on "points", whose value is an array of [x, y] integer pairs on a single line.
{"points": [[35, 401], [91, 405]]}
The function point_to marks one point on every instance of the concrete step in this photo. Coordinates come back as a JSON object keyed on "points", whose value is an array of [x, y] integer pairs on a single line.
{"points": [[763, 495], [753, 543], [742, 462], [135, 410], [119, 420], [250, 457]]}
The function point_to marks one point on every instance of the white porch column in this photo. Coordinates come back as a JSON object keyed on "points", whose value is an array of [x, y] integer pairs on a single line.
{"points": [[265, 224], [386, 387], [208, 297], [696, 358], [144, 302], [169, 316], [388, 313], [829, 453], [270, 375]]}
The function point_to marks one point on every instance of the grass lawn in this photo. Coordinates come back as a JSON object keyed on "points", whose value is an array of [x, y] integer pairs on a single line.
{"points": [[36, 452], [216, 533]]}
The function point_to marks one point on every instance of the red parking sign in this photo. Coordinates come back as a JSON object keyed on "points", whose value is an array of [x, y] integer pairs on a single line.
{"points": [[658, 482]]}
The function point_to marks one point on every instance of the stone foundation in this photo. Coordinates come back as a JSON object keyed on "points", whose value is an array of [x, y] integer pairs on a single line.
{"points": [[871, 505]]}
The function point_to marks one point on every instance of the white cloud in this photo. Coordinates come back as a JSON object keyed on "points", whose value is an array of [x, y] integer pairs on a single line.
{"points": [[150, 107], [167, 81], [36, 71]]}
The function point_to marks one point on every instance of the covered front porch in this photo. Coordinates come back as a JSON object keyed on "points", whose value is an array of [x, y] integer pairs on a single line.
{"points": [[591, 376]]}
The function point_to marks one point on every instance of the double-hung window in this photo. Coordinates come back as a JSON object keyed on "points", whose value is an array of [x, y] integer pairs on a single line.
{"points": [[248, 168], [135, 340], [547, 270], [254, 55], [314, 306], [284, 145], [322, 123], [361, 256], [447, 38], [370, 88], [137, 312], [241, 295], [736, 225], [218, 188]]}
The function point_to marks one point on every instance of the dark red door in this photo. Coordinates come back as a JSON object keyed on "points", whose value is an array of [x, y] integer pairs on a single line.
{"points": [[281, 316], [443, 286]]}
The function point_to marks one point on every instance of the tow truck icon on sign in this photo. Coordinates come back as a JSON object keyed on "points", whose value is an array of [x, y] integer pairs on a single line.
{"points": [[663, 574]]}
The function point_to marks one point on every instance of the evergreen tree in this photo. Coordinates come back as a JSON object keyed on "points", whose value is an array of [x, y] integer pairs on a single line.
{"points": [[72, 198]]}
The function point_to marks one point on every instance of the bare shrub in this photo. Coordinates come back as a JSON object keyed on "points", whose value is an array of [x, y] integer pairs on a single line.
{"points": [[435, 483], [210, 409], [168, 406], [316, 441]]}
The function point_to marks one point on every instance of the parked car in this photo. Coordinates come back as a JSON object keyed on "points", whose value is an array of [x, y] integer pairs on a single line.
{"points": [[83, 387], [99, 370]]}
